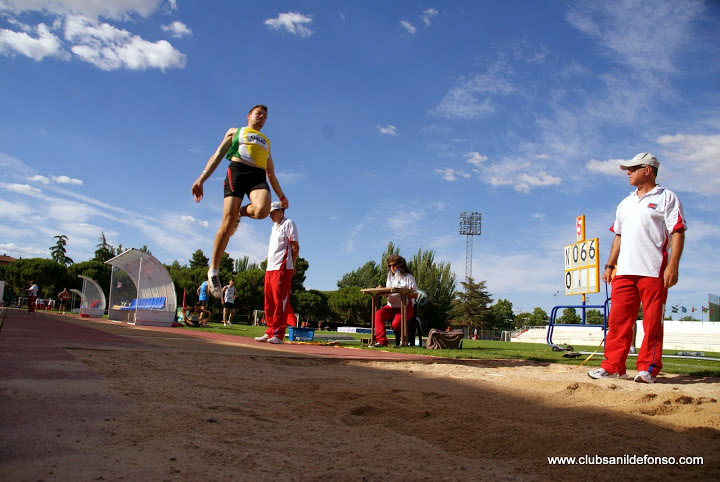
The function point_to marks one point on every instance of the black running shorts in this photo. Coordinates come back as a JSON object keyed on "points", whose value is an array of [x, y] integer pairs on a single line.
{"points": [[241, 179]]}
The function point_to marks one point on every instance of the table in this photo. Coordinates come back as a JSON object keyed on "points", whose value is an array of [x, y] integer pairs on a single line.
{"points": [[404, 293]]}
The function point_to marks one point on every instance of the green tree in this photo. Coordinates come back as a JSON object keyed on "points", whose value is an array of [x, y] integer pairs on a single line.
{"points": [[298, 280], [503, 313], [51, 277], [539, 317], [368, 275], [569, 317], [594, 317], [226, 267], [439, 282], [249, 286], [312, 305], [243, 264], [522, 319], [350, 305], [104, 251], [199, 260], [472, 306], [58, 252]]}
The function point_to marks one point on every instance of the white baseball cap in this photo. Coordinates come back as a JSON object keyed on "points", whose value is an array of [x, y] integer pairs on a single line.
{"points": [[275, 205], [642, 159]]}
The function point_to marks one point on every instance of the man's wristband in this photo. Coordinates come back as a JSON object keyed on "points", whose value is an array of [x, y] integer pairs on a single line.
{"points": [[611, 266]]}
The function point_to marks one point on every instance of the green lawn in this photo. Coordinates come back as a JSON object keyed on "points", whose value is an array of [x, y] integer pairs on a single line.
{"points": [[495, 350]]}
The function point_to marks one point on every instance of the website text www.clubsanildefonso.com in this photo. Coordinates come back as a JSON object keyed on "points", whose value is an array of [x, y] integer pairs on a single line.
{"points": [[624, 460]]}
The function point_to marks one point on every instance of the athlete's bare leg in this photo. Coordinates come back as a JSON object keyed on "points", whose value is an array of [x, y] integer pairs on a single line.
{"points": [[228, 226], [259, 207]]}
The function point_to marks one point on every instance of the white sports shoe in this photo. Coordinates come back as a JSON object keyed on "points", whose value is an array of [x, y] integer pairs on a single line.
{"points": [[601, 373], [214, 286], [275, 340], [645, 377], [263, 338]]}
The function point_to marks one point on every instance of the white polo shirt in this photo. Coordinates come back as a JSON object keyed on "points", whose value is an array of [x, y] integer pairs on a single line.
{"points": [[398, 280], [645, 224], [281, 235]]}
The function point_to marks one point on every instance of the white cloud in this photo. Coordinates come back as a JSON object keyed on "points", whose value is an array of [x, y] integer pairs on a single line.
{"points": [[645, 36], [475, 158], [450, 174], [110, 48], [177, 30], [428, 15], [67, 180], [388, 130], [18, 251], [696, 159], [610, 167], [39, 178], [409, 28], [521, 175], [192, 220], [21, 189], [37, 48], [115, 9], [291, 22], [472, 98]]}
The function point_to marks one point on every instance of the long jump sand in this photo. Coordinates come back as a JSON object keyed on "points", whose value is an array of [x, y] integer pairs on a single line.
{"points": [[89, 400]]}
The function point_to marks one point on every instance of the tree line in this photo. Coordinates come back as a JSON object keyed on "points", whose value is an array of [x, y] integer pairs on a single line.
{"points": [[446, 305]]}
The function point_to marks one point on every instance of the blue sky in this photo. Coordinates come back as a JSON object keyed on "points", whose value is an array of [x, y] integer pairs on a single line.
{"points": [[387, 119]]}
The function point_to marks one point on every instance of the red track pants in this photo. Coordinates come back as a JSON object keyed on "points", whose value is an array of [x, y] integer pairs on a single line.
{"points": [[278, 312], [387, 313], [627, 294]]}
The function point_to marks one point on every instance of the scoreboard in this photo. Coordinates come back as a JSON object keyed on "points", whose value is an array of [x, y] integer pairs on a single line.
{"points": [[582, 263]]}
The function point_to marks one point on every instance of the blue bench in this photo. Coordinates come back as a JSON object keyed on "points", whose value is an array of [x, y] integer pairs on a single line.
{"points": [[146, 304]]}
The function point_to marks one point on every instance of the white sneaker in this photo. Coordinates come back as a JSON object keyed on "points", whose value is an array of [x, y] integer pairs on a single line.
{"points": [[275, 340], [214, 286], [601, 373], [263, 338], [645, 377], [632, 350]]}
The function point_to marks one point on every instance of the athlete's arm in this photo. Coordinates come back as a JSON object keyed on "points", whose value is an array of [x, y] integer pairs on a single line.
{"points": [[677, 242], [197, 187], [612, 259], [270, 171], [295, 250]]}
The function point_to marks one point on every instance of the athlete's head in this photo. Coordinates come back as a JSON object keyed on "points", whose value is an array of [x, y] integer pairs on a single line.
{"points": [[257, 116]]}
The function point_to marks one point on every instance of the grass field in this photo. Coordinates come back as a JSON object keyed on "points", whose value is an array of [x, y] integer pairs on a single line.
{"points": [[495, 350]]}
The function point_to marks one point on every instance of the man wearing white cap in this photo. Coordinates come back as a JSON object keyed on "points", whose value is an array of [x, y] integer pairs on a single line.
{"points": [[283, 251], [641, 269]]}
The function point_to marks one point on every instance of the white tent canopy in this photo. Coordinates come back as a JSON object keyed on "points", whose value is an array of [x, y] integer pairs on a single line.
{"points": [[92, 298], [141, 290]]}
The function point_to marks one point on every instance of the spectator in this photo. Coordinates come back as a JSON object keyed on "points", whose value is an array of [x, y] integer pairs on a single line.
{"points": [[64, 297], [229, 302], [32, 296]]}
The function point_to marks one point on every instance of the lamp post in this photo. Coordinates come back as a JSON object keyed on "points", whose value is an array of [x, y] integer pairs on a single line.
{"points": [[470, 225]]}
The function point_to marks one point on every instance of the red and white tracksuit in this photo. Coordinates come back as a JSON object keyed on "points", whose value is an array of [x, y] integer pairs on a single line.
{"points": [[278, 279], [391, 311], [644, 224]]}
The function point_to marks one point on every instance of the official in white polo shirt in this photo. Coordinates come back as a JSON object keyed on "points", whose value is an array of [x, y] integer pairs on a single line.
{"points": [[283, 251], [647, 223]]}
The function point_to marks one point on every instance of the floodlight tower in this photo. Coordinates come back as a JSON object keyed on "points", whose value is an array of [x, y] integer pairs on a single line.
{"points": [[469, 226]]}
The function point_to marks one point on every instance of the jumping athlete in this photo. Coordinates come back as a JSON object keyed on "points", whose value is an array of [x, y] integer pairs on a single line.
{"points": [[251, 168]]}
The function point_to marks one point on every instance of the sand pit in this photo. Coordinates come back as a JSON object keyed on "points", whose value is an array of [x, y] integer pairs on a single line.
{"points": [[171, 414]]}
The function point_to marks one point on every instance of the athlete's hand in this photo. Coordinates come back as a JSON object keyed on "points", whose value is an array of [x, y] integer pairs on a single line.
{"points": [[670, 277], [197, 191], [284, 203]]}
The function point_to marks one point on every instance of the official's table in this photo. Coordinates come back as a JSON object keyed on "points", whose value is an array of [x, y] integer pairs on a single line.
{"points": [[404, 293]]}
